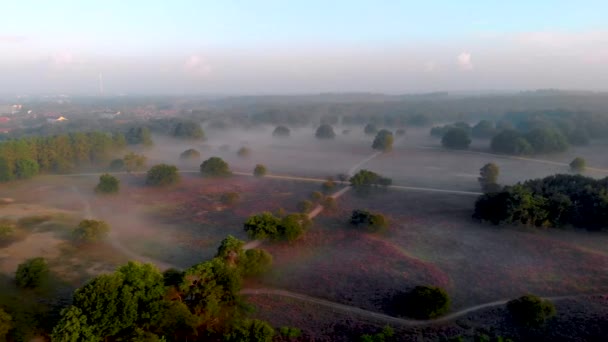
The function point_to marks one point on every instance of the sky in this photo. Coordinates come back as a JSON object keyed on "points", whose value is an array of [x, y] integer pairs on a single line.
{"points": [[276, 47]]}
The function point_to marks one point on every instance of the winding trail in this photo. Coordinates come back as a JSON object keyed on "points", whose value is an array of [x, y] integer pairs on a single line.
{"points": [[387, 318]]}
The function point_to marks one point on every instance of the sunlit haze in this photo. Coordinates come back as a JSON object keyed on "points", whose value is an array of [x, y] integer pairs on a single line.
{"points": [[260, 47]]}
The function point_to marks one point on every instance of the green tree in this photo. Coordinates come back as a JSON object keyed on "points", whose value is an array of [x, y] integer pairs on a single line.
{"points": [[325, 131], [372, 222], [6, 170], [188, 130], [281, 131], [215, 167], [139, 135], [383, 141], [190, 154], [89, 231], [26, 168], [578, 164], [244, 152], [488, 177], [162, 175], [250, 331], [134, 162], [530, 310], [255, 262], [365, 180], [290, 333], [456, 138], [425, 302], [545, 140], [73, 327], [32, 273], [262, 226], [108, 184], [260, 170], [6, 324], [370, 129]]}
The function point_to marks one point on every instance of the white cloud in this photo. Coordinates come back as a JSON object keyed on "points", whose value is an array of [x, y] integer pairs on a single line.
{"points": [[464, 61], [197, 65]]}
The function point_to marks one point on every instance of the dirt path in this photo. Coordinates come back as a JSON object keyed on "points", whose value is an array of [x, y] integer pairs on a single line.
{"points": [[383, 317]]}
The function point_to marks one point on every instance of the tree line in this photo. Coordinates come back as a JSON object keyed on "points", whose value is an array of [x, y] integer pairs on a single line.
{"points": [[554, 201]]}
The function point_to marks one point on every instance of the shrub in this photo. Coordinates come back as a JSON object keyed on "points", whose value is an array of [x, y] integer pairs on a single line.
{"points": [[230, 198], [266, 225], [7, 232], [325, 131], [316, 196], [32, 273], [425, 302], [383, 141], [26, 168], [510, 141], [578, 164], [281, 131], [290, 333], [305, 206], [162, 175], [488, 176], [244, 152], [255, 262], [215, 167], [530, 310], [91, 231], [190, 154], [108, 184], [368, 220], [260, 170]]}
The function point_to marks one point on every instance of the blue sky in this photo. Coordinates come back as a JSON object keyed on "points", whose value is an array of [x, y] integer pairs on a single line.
{"points": [[211, 40]]}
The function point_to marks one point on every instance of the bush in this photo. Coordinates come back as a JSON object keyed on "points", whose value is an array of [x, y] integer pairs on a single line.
{"points": [[230, 198], [488, 177], [305, 206], [578, 164], [90, 231], [26, 168], [456, 138], [32, 273], [7, 232], [281, 131], [530, 310], [244, 152], [364, 180], [260, 170], [162, 175], [255, 262], [190, 154], [545, 140], [425, 302], [215, 167], [250, 331], [108, 184], [370, 221], [316, 196], [325, 131], [6, 324], [290, 333], [268, 226]]}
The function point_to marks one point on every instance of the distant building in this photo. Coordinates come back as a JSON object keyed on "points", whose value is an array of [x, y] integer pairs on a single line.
{"points": [[10, 109], [56, 119]]}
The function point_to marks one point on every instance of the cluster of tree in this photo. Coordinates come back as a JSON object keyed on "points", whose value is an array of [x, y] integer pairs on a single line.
{"points": [[538, 140], [372, 222], [268, 226], [108, 184], [530, 310], [383, 141], [484, 129], [33, 273], [553, 201], [26, 157], [325, 131], [215, 167], [364, 181], [131, 162], [139, 136], [139, 303], [190, 154], [440, 131], [162, 175], [244, 152], [422, 302]]}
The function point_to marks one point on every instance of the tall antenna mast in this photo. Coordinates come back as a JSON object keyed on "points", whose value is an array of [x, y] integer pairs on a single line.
{"points": [[100, 84]]}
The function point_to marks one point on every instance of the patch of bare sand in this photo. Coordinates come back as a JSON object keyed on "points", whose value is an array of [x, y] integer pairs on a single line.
{"points": [[16, 211], [43, 244]]}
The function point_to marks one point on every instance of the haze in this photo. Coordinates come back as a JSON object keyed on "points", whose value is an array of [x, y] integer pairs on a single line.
{"points": [[193, 47]]}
